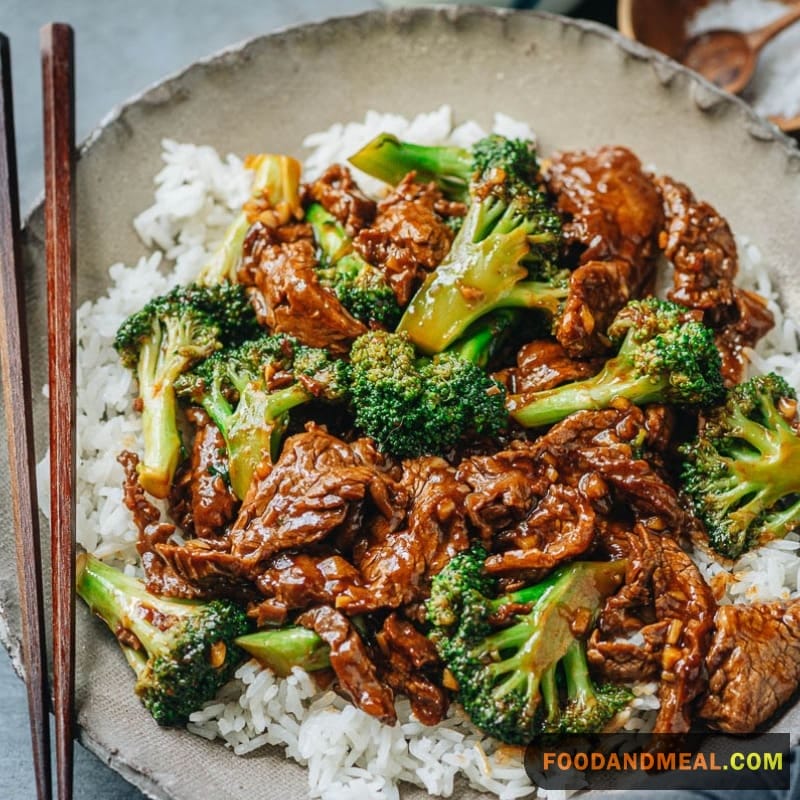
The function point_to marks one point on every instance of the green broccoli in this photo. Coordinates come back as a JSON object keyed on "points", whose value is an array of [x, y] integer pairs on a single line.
{"points": [[249, 391], [742, 471], [452, 168], [160, 342], [361, 288], [663, 357], [182, 651], [415, 405], [504, 256], [276, 185], [281, 649], [530, 678]]}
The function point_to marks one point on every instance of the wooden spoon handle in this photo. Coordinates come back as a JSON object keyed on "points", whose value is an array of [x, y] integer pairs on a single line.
{"points": [[757, 39]]}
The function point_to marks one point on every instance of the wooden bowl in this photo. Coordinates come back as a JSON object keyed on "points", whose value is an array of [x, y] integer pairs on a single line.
{"points": [[662, 25]]}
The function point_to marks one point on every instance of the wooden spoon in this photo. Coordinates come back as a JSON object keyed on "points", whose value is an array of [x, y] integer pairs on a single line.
{"points": [[727, 57]]}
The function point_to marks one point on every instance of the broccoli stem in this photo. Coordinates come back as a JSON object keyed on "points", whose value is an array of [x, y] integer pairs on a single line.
{"points": [[485, 337], [257, 429], [579, 684], [536, 295], [162, 442], [283, 649], [277, 178], [613, 381], [390, 160], [437, 315], [549, 690], [773, 471], [117, 598], [329, 234]]}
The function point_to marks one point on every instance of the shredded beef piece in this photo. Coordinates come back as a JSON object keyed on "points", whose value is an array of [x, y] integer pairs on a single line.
{"points": [[160, 577], [544, 364], [288, 296], [398, 561], [612, 213], [208, 566], [602, 442], [351, 662], [410, 665], [665, 593], [752, 319], [700, 244], [205, 503], [337, 192], [597, 291], [504, 488], [409, 236], [611, 206], [292, 581], [753, 664], [305, 496], [683, 598], [560, 527], [660, 425]]}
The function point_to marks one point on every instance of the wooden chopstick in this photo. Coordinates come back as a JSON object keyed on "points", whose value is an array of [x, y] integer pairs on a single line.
{"points": [[59, 166], [19, 427]]}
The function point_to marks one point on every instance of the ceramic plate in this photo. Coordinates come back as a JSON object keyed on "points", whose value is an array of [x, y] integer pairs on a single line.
{"points": [[578, 84]]}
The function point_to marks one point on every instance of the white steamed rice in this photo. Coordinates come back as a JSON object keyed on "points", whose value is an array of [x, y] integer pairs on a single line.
{"points": [[349, 754]]}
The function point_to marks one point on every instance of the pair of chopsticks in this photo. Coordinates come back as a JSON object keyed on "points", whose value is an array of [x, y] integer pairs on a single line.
{"points": [[59, 145]]}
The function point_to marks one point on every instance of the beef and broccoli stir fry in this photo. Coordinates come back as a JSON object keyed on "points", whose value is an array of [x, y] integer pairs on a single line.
{"points": [[448, 444]]}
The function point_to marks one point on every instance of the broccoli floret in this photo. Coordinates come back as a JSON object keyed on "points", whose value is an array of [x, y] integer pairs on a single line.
{"points": [[415, 405], [361, 288], [160, 342], [664, 357], [742, 472], [235, 387], [452, 168], [274, 199], [504, 256], [282, 649], [529, 678], [182, 651]]}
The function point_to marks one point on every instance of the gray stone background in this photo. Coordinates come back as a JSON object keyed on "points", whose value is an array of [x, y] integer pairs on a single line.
{"points": [[121, 47]]}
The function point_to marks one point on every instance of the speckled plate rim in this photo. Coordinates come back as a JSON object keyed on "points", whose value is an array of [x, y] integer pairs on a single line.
{"points": [[705, 97]]}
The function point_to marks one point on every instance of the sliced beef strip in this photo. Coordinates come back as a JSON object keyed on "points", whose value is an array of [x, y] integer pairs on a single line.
{"points": [[397, 562], [292, 581], [504, 487], [701, 246], [612, 214], [597, 291], [752, 320], [305, 496], [159, 575], [208, 567], [337, 192], [286, 291], [610, 205], [544, 364], [351, 662], [753, 664], [410, 665], [560, 527], [663, 589], [201, 500], [410, 235], [602, 442]]}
